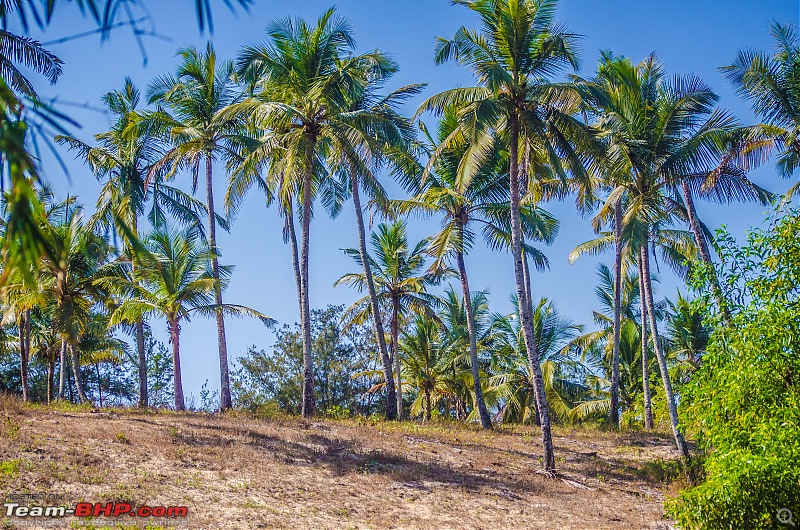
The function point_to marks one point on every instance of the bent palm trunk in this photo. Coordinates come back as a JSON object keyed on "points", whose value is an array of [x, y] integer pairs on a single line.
{"points": [[705, 254], [614, 407], [662, 361], [648, 405], [486, 420], [225, 381], [391, 411], [174, 338], [526, 312]]}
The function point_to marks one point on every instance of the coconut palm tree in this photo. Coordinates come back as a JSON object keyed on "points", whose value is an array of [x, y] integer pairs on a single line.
{"points": [[687, 334], [354, 158], [513, 382], [124, 159], [457, 317], [601, 342], [769, 82], [29, 53], [401, 283], [484, 201], [70, 277], [707, 144], [189, 119], [513, 57], [660, 132], [425, 364], [306, 80], [174, 281]]}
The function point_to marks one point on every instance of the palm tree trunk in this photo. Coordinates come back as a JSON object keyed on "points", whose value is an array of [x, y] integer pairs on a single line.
{"points": [[391, 412], [662, 361], [141, 359], [99, 383], [396, 353], [614, 407], [224, 375], [292, 234], [486, 420], [174, 338], [309, 399], [705, 255], [528, 301], [24, 350], [141, 356], [62, 364], [76, 370], [648, 400], [526, 312], [51, 368], [427, 405]]}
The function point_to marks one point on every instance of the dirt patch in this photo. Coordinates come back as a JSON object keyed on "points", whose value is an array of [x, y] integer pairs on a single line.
{"points": [[240, 473]]}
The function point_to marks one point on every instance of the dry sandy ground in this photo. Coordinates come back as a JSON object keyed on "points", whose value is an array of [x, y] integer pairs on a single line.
{"points": [[236, 472]]}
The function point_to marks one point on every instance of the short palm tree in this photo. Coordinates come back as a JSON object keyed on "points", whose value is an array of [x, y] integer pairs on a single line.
{"points": [[189, 118], [457, 317], [401, 282], [425, 364], [513, 382], [174, 282], [515, 54], [70, 276], [688, 335]]}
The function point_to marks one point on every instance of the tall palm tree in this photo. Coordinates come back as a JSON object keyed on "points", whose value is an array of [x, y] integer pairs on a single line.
{"points": [[354, 158], [401, 283], [175, 283], [769, 82], [519, 48], [659, 134], [484, 201], [189, 118], [305, 80], [124, 159]]}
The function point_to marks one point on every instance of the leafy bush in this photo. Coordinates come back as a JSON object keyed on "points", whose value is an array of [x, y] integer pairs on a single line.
{"points": [[744, 402]]}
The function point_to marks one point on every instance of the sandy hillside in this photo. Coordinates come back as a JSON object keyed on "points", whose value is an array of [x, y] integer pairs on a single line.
{"points": [[238, 472]]}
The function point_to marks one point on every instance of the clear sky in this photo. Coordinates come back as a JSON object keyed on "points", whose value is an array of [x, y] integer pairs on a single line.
{"points": [[690, 36]]}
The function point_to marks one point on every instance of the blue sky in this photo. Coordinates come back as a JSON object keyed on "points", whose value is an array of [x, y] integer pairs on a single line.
{"points": [[690, 37]]}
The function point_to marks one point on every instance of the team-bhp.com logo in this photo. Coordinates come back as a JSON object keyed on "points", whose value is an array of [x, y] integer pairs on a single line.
{"points": [[94, 509]]}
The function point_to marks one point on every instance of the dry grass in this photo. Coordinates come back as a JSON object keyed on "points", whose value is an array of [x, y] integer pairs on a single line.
{"points": [[239, 472]]}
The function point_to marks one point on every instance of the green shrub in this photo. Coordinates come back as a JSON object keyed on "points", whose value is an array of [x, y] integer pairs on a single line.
{"points": [[744, 402]]}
